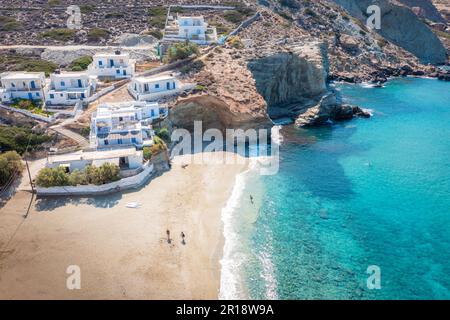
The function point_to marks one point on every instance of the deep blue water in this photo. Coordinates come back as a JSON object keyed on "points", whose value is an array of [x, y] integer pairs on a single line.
{"points": [[353, 194]]}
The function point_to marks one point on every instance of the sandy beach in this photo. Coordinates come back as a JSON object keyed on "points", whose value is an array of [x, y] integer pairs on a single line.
{"points": [[123, 253]]}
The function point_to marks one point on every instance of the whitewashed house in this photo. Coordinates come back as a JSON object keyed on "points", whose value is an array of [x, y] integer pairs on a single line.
{"points": [[115, 65], [126, 158], [22, 85], [124, 124], [192, 28], [154, 88], [67, 88]]}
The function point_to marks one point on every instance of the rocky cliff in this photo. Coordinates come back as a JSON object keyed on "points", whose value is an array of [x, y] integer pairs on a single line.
{"points": [[401, 26]]}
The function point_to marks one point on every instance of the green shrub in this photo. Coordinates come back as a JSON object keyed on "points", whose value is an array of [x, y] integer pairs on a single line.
{"points": [[157, 17], [194, 66], [147, 153], [54, 177], [235, 42], [233, 16], [53, 3], [80, 63], [96, 34], [16, 138], [87, 8], [59, 34], [9, 24], [163, 133], [179, 51], [15, 62], [10, 162]]}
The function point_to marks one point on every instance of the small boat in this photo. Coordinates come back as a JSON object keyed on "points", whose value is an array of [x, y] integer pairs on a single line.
{"points": [[133, 205]]}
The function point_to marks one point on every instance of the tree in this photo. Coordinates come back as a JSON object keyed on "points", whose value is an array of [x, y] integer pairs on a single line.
{"points": [[179, 51], [10, 162], [52, 177]]}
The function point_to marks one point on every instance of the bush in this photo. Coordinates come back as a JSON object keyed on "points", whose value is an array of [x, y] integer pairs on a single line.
{"points": [[179, 51], [163, 133], [235, 42], [52, 177], [15, 138], [147, 153], [10, 162], [59, 34], [55, 177], [9, 24], [87, 8], [96, 34], [233, 16], [194, 66], [157, 17], [80, 63]]}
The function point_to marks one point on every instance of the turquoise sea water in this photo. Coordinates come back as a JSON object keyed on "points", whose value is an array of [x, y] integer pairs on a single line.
{"points": [[350, 195]]}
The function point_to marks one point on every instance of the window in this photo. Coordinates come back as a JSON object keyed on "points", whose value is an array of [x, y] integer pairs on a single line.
{"points": [[119, 141], [63, 83], [133, 140], [118, 71], [37, 94], [13, 85], [62, 95], [173, 85], [157, 86], [52, 96], [100, 63], [106, 142]]}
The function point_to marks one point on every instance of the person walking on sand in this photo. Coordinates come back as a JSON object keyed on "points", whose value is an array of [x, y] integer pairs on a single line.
{"points": [[168, 235], [182, 237], [251, 199]]}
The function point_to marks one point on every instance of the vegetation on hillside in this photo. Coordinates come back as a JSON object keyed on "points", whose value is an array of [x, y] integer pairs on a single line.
{"points": [[157, 147], [54, 177], [10, 162], [17, 138], [30, 105], [15, 62], [179, 51], [96, 34], [61, 34], [9, 24], [80, 63], [157, 17]]}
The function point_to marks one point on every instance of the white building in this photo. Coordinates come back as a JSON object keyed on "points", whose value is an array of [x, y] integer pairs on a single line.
{"points": [[125, 158], [192, 28], [124, 124], [153, 88], [112, 65], [22, 85], [67, 88]]}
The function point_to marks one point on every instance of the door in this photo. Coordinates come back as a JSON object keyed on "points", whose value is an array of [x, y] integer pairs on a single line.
{"points": [[80, 85], [33, 85], [124, 72], [111, 63], [168, 85], [30, 96]]}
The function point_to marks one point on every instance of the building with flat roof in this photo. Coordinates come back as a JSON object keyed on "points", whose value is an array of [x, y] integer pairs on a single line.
{"points": [[22, 85], [67, 88], [154, 87], [115, 65], [192, 28]]}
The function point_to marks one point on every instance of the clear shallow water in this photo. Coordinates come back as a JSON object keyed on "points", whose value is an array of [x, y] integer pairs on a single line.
{"points": [[364, 192]]}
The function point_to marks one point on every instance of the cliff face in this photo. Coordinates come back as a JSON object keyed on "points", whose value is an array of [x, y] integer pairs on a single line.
{"points": [[289, 81], [401, 26], [426, 9]]}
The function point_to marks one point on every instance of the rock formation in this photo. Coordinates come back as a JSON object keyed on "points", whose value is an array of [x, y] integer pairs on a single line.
{"points": [[401, 26]]}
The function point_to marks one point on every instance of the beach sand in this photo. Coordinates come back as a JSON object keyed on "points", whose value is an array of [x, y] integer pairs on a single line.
{"points": [[122, 253]]}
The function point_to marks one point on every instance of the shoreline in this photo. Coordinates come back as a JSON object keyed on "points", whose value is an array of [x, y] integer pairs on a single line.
{"points": [[122, 253]]}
